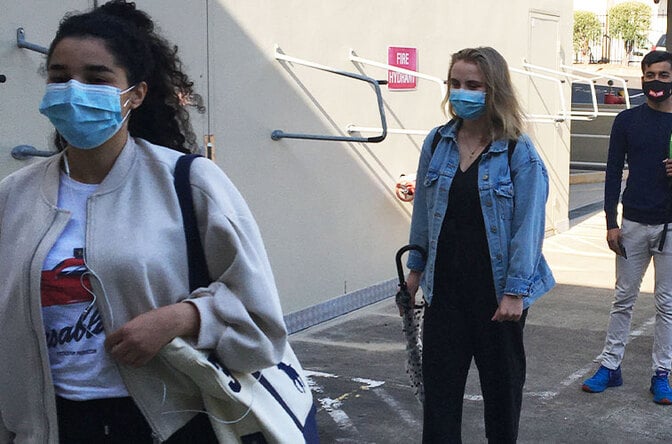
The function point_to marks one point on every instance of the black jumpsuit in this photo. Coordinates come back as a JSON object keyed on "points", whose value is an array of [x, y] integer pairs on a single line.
{"points": [[458, 327]]}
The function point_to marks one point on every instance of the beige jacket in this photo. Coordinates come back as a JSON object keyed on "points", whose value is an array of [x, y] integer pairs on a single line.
{"points": [[135, 245]]}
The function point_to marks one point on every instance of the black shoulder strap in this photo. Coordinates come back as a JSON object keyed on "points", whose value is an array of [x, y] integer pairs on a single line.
{"points": [[511, 148], [198, 268], [437, 137]]}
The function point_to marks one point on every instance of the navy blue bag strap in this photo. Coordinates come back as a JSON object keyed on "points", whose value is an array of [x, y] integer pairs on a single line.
{"points": [[199, 275]]}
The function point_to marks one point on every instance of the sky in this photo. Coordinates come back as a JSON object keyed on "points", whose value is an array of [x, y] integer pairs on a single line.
{"points": [[601, 6]]}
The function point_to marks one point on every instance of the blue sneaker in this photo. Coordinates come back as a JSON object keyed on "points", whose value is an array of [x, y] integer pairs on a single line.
{"points": [[603, 379], [660, 388]]}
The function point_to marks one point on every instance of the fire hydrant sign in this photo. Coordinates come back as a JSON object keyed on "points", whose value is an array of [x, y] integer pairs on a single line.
{"points": [[406, 58]]}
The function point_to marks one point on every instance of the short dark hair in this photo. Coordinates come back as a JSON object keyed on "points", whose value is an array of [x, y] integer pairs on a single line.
{"points": [[656, 57]]}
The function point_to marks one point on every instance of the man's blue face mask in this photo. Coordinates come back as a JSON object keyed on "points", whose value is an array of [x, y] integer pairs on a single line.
{"points": [[85, 115], [467, 104]]}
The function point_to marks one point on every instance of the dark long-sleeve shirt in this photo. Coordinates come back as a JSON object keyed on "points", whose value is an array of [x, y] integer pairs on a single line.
{"points": [[641, 136]]}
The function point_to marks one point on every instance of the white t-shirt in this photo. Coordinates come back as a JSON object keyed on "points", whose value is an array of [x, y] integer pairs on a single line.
{"points": [[80, 367]]}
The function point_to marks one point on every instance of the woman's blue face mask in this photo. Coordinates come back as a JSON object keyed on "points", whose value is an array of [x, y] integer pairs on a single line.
{"points": [[85, 115], [467, 104]]}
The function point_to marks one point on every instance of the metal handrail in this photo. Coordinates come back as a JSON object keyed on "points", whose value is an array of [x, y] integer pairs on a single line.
{"points": [[594, 77], [369, 129], [22, 152], [590, 82], [441, 82], [539, 118], [544, 118], [22, 43], [279, 134], [592, 114]]}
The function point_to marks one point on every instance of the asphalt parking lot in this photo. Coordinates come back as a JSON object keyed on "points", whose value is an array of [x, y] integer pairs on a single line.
{"points": [[356, 363]]}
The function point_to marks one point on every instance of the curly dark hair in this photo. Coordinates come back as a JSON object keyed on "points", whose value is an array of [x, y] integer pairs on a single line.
{"points": [[130, 36]]}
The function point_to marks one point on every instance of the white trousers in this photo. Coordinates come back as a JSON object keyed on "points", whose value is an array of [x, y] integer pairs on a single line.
{"points": [[641, 243]]}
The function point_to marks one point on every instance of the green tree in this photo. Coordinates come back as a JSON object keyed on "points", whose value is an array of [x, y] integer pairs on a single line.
{"points": [[630, 21], [587, 29]]}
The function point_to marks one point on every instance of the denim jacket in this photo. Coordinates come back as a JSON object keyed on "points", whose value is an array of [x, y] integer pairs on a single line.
{"points": [[513, 205]]}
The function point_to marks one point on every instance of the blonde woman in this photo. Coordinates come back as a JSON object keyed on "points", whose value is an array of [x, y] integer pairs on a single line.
{"points": [[479, 213]]}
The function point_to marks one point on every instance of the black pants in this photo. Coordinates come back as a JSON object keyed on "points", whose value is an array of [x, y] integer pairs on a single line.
{"points": [[452, 337], [119, 421]]}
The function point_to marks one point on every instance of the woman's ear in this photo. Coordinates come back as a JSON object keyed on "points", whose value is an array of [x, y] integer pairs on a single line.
{"points": [[137, 95]]}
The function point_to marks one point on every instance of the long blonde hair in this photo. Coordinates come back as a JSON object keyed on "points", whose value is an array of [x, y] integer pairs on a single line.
{"points": [[503, 110]]}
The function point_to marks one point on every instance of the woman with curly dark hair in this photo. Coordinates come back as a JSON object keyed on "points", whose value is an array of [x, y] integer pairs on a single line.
{"points": [[93, 250], [146, 57]]}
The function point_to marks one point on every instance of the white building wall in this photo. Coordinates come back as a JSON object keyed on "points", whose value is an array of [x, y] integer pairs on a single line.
{"points": [[327, 210]]}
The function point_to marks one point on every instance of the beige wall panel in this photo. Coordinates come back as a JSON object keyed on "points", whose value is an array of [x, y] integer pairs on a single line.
{"points": [[20, 94], [326, 210], [185, 24]]}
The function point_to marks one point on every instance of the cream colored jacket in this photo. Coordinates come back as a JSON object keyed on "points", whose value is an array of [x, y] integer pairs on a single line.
{"points": [[135, 245]]}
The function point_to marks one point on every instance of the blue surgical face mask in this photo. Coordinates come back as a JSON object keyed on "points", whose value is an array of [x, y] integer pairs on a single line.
{"points": [[467, 104], [85, 115]]}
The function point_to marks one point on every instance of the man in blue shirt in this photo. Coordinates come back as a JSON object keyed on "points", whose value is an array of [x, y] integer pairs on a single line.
{"points": [[643, 137]]}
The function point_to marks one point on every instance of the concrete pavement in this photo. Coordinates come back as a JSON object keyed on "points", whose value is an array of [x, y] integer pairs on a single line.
{"points": [[356, 363]]}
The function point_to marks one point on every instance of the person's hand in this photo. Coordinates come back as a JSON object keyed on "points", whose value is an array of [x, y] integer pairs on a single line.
{"points": [[412, 285], [510, 309], [614, 240], [140, 339], [668, 167]]}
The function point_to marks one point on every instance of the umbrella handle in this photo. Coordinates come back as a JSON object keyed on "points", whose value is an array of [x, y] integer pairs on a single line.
{"points": [[400, 268]]}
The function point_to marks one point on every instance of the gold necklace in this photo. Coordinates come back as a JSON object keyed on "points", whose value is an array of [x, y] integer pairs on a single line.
{"points": [[473, 153], [480, 146]]}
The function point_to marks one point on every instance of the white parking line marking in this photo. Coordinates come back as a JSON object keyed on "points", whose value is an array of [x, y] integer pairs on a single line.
{"points": [[571, 379], [406, 416], [579, 374], [310, 373], [331, 406], [542, 395], [640, 331], [368, 383], [342, 420]]}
